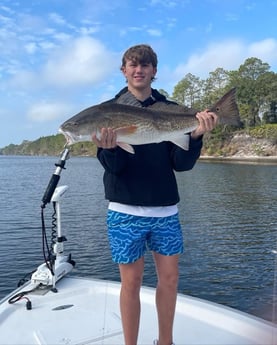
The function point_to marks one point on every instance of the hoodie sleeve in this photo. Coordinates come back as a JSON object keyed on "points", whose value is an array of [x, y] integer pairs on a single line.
{"points": [[185, 160], [112, 160]]}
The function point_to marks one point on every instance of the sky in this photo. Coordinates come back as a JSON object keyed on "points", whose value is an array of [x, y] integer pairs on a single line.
{"points": [[59, 57]]}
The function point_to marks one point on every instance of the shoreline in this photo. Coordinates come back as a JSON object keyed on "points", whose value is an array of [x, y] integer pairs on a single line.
{"points": [[272, 160], [269, 160]]}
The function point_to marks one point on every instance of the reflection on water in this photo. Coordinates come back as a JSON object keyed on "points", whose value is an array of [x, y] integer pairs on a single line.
{"points": [[228, 213]]}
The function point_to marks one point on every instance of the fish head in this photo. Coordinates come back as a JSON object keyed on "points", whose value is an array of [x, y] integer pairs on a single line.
{"points": [[68, 136], [74, 133]]}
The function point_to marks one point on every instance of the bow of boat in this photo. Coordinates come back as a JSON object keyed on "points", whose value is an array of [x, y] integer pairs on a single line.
{"points": [[86, 311]]}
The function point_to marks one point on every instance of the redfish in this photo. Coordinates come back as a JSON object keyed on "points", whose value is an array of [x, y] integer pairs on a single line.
{"points": [[153, 124]]}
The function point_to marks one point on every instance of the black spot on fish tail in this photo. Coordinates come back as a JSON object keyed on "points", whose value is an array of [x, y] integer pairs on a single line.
{"points": [[227, 109]]}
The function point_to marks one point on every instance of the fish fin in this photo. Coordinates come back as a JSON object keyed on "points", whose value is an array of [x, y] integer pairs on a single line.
{"points": [[126, 130], [182, 141], [227, 110], [126, 147]]}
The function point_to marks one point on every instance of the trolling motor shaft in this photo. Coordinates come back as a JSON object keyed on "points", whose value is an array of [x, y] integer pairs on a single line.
{"points": [[55, 178]]}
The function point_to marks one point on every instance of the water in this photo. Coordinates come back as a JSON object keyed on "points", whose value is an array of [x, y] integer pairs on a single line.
{"points": [[228, 213]]}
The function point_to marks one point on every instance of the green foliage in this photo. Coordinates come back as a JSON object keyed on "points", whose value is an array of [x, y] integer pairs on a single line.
{"points": [[51, 145], [163, 92], [268, 131], [256, 91], [188, 90], [215, 142]]}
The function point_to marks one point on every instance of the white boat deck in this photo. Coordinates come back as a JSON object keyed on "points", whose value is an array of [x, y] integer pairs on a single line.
{"points": [[86, 311]]}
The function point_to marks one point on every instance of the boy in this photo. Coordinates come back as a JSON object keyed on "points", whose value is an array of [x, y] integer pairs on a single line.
{"points": [[143, 196]]}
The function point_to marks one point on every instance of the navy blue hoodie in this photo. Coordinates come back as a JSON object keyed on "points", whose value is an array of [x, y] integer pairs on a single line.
{"points": [[147, 177]]}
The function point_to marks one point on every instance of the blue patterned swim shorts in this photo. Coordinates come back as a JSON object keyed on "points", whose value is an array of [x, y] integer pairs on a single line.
{"points": [[130, 236]]}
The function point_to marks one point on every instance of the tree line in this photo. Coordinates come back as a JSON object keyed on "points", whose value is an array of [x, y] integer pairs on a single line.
{"points": [[256, 89]]}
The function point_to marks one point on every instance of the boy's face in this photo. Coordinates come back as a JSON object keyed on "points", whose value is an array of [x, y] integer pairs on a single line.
{"points": [[138, 75]]}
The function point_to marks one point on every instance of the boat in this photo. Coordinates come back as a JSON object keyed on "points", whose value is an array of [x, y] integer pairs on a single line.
{"points": [[54, 307]]}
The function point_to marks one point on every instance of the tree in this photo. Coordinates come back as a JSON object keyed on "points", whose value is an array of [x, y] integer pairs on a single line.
{"points": [[215, 86], [267, 93], [270, 116], [217, 80], [247, 77], [188, 91], [163, 92]]}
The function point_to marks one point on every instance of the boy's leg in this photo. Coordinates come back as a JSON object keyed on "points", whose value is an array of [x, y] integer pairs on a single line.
{"points": [[166, 294], [131, 279]]}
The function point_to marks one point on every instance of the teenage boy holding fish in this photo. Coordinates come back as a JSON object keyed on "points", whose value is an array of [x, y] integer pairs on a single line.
{"points": [[143, 196]]}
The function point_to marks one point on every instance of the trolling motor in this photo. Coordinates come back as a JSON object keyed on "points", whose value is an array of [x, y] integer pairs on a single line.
{"points": [[55, 178], [56, 264]]}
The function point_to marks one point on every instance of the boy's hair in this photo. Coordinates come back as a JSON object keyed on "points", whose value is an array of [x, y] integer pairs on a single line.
{"points": [[141, 53]]}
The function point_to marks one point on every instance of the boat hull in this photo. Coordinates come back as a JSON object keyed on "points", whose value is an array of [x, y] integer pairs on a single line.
{"points": [[86, 311]]}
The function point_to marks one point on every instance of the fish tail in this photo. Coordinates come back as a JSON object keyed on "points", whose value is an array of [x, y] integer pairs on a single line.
{"points": [[227, 109]]}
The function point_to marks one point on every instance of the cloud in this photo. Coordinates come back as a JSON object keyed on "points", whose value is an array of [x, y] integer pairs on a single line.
{"points": [[44, 111], [21, 79], [154, 32], [225, 54], [81, 61], [266, 50], [171, 3], [228, 54], [57, 19], [31, 48], [75, 63]]}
